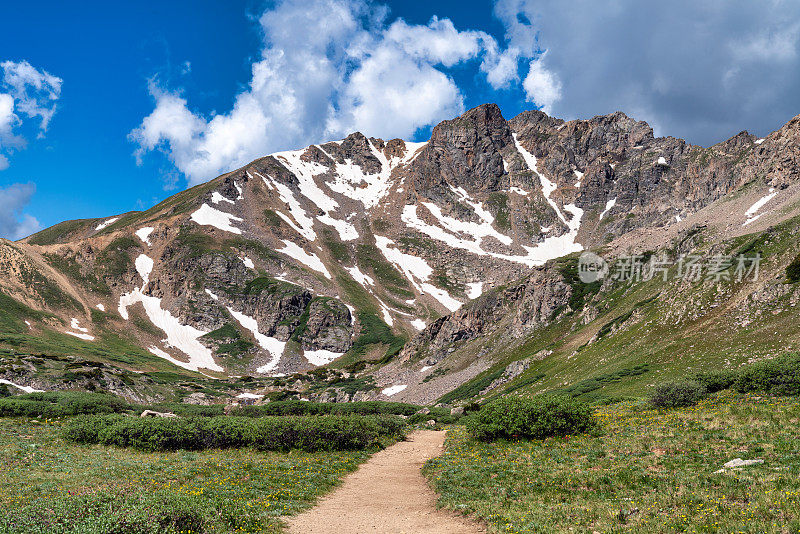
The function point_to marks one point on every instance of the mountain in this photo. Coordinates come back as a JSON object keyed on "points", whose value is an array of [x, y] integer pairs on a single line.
{"points": [[410, 270]]}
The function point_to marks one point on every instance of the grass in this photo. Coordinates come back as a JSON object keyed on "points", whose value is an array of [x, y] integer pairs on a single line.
{"points": [[644, 471], [97, 489]]}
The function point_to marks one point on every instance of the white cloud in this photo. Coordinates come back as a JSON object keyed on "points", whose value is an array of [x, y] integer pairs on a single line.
{"points": [[14, 224], [328, 68], [25, 93], [698, 70], [542, 86], [35, 91]]}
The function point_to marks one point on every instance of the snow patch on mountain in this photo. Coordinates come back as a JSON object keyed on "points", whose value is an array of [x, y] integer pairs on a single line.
{"points": [[216, 198], [393, 390], [106, 224], [363, 279], [474, 289], [321, 356], [416, 270], [181, 337], [26, 389], [610, 204], [144, 234], [208, 216], [306, 228], [310, 260], [760, 203], [273, 346]]}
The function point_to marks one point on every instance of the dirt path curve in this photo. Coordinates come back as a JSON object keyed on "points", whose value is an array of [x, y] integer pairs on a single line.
{"points": [[387, 495]]}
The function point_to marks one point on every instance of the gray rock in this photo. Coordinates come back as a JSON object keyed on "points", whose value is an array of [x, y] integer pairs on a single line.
{"points": [[153, 413]]}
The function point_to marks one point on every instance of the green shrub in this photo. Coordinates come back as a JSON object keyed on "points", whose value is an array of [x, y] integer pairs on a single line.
{"points": [[780, 376], [715, 381], [793, 270], [440, 415], [537, 418], [294, 407], [350, 432], [57, 404], [677, 393]]}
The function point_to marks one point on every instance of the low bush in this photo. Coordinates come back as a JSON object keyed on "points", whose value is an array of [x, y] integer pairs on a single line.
{"points": [[715, 381], [57, 404], [292, 407], [538, 417], [793, 271], [677, 393], [779, 376], [441, 415], [265, 433]]}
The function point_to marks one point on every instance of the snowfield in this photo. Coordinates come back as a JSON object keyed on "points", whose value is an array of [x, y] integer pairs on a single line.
{"points": [[760, 203], [610, 204], [416, 270], [393, 390], [321, 357], [208, 216], [144, 234], [106, 224], [82, 333], [273, 346], [474, 289], [26, 389], [312, 261], [216, 198], [181, 337], [363, 279]]}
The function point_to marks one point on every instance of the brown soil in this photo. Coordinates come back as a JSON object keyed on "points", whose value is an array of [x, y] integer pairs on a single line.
{"points": [[389, 495]]}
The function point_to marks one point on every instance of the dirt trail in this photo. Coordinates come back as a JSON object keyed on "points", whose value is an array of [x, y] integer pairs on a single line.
{"points": [[387, 495]]}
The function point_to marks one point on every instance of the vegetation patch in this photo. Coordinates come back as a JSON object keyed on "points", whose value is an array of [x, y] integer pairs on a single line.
{"points": [[677, 394], [597, 382], [326, 433], [229, 341], [472, 388], [642, 470], [371, 258], [49, 485], [375, 331], [271, 286], [793, 270], [581, 292], [497, 204], [539, 417], [60, 233], [115, 259]]}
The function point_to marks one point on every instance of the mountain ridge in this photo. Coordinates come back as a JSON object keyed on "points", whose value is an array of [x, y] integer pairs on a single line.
{"points": [[337, 253]]}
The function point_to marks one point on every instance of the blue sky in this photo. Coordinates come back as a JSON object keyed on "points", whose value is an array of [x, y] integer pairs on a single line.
{"points": [[154, 96]]}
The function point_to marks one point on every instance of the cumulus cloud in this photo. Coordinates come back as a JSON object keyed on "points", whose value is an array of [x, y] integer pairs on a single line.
{"points": [[26, 94], [702, 70], [327, 68], [14, 224], [541, 85]]}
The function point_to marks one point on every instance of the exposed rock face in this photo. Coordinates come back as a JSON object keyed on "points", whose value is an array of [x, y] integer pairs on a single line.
{"points": [[328, 327], [465, 152], [531, 303]]}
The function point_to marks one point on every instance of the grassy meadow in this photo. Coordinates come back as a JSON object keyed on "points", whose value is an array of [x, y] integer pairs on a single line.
{"points": [[641, 470], [49, 485]]}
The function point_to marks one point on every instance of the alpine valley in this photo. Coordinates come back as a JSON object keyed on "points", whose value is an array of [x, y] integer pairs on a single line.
{"points": [[436, 272]]}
